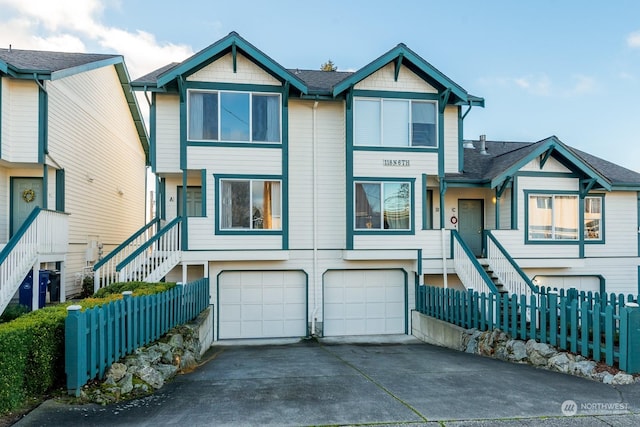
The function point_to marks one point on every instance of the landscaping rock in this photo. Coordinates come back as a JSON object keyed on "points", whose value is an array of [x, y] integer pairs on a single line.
{"points": [[117, 371], [584, 368], [559, 362], [539, 353], [176, 341], [516, 350], [126, 384], [150, 376], [621, 379]]}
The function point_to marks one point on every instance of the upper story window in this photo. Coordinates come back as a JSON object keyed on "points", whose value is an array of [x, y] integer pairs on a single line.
{"points": [[383, 206], [395, 123], [250, 204], [593, 218], [233, 116]]}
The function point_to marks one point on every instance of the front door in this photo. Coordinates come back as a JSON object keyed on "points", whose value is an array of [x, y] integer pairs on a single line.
{"points": [[471, 223], [26, 194]]}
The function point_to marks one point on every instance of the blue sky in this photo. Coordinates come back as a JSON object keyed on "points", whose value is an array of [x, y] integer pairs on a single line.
{"points": [[566, 68]]}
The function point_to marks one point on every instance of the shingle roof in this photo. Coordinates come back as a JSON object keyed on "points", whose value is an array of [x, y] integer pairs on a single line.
{"points": [[152, 77], [502, 155], [49, 62], [320, 82]]}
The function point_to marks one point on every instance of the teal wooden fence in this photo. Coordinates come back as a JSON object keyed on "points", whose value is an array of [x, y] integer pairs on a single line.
{"points": [[604, 328], [98, 337]]}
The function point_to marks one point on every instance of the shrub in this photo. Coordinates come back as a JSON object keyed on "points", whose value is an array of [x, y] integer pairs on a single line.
{"points": [[13, 311]]}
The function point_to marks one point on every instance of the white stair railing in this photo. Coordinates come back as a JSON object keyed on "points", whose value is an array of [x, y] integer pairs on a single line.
{"points": [[506, 269], [44, 232], [155, 258], [469, 269], [104, 272]]}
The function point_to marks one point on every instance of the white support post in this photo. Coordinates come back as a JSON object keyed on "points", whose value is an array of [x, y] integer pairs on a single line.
{"points": [[63, 287], [35, 286]]}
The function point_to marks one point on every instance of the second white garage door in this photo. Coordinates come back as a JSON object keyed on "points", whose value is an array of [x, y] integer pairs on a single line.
{"points": [[262, 304], [364, 302]]}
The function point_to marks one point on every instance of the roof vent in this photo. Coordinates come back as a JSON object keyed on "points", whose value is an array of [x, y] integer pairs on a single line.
{"points": [[468, 144], [483, 145]]}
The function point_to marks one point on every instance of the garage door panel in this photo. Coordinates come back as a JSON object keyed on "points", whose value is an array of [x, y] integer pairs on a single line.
{"points": [[364, 302], [262, 304]]}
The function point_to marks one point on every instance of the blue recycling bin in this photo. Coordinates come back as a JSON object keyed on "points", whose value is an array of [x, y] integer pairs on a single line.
{"points": [[26, 289]]}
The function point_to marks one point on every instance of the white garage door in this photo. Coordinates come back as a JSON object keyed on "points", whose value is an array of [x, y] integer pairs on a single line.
{"points": [[262, 304], [364, 302]]}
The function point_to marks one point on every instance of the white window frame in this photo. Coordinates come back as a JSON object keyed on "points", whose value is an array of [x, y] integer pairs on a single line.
{"points": [[218, 118], [382, 228], [277, 216], [554, 233]]}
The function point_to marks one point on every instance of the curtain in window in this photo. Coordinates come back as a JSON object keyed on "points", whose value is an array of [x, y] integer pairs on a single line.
{"points": [[395, 125], [540, 220], [267, 205], [368, 206], [196, 122], [265, 118], [565, 210], [226, 207], [397, 206], [367, 122]]}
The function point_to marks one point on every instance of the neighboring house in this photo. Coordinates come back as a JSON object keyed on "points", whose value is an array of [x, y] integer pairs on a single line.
{"points": [[73, 155], [317, 201]]}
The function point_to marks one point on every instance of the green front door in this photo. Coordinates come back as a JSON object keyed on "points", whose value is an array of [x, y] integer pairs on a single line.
{"points": [[471, 223], [26, 194]]}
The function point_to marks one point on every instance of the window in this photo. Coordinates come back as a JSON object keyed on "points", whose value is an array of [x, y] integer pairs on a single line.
{"points": [[553, 217], [593, 218], [383, 205], [250, 205], [395, 123], [194, 201], [233, 116]]}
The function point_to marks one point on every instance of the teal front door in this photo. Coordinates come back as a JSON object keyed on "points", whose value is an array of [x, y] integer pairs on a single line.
{"points": [[26, 194], [471, 223]]}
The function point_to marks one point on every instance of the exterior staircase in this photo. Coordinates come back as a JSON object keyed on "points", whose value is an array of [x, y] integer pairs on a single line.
{"points": [[147, 256], [43, 237], [495, 278]]}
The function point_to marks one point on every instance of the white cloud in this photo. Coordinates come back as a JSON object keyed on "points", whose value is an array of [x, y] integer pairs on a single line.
{"points": [[633, 39], [71, 25], [536, 85], [582, 85]]}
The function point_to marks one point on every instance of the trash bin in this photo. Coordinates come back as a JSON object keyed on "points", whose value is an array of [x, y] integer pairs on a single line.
{"points": [[26, 289], [54, 285]]}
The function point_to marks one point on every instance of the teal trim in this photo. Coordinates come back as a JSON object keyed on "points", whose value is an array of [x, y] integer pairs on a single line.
{"points": [[220, 48], [185, 221], [234, 144], [638, 278], [625, 187], [60, 190], [564, 154], [603, 229], [149, 243], [132, 103], [581, 226], [489, 235], [514, 204], [203, 186], [638, 222], [153, 129], [545, 157], [248, 232], [406, 300], [419, 267], [234, 55], [414, 63], [306, 311], [162, 200], [441, 144], [361, 93], [383, 231], [466, 184], [13, 241], [397, 66], [45, 186], [285, 166], [234, 87], [1, 80], [460, 140], [443, 191], [496, 206], [543, 174], [349, 169], [43, 124], [183, 128], [444, 99], [396, 149], [423, 193], [126, 243]]}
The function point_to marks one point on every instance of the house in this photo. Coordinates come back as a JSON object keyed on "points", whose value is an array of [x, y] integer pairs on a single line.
{"points": [[73, 154], [316, 202]]}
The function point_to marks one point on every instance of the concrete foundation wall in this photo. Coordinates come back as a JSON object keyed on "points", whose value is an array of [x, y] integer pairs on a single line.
{"points": [[436, 332]]}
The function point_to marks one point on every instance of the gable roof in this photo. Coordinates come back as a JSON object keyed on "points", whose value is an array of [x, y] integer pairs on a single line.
{"points": [[401, 56], [504, 159], [43, 65], [231, 43]]}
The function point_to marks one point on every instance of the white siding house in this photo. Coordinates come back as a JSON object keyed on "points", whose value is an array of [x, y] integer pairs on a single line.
{"points": [[316, 202], [73, 147]]}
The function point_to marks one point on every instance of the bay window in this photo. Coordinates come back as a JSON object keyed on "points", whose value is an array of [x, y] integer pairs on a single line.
{"points": [[233, 116], [395, 123], [382, 206], [250, 204]]}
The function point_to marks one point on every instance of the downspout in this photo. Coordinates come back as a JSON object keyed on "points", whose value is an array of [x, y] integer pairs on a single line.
{"points": [[315, 218]]}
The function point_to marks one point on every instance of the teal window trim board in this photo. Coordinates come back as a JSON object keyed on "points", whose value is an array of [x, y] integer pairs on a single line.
{"points": [[43, 108], [60, 190]]}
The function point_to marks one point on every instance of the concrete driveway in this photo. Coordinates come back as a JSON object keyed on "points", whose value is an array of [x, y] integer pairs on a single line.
{"points": [[338, 382]]}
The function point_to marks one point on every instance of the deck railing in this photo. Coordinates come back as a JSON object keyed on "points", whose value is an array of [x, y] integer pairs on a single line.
{"points": [[468, 268], [505, 267], [593, 328], [98, 337], [44, 232]]}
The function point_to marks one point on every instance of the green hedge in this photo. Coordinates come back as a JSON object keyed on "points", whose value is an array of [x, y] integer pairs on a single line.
{"points": [[32, 346]]}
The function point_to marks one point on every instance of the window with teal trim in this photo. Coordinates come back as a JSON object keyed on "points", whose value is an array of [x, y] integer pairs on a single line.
{"points": [[593, 218], [395, 123], [382, 206], [233, 116], [247, 204], [553, 217]]}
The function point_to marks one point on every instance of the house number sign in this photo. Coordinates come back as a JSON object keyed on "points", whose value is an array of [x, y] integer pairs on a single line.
{"points": [[396, 163]]}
